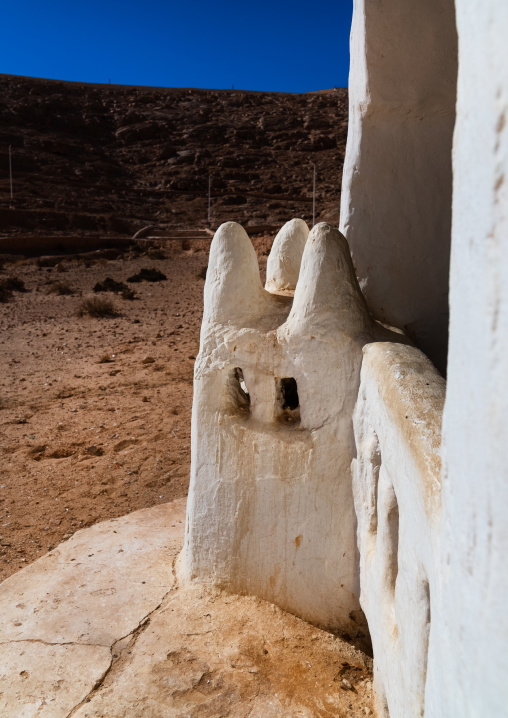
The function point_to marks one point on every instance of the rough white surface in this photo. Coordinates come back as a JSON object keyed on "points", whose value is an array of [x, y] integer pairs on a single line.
{"points": [[468, 675], [397, 491], [270, 508], [397, 182], [283, 266]]}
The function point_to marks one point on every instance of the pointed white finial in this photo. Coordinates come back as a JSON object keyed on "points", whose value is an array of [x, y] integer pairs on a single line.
{"points": [[283, 266]]}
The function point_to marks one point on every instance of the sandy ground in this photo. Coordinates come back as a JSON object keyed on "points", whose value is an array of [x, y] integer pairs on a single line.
{"points": [[83, 441]]}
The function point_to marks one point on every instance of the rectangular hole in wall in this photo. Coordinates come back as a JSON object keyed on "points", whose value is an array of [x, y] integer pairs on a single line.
{"points": [[238, 390], [288, 401]]}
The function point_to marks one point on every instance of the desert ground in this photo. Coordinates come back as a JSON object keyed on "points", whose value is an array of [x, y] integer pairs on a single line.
{"points": [[95, 412]]}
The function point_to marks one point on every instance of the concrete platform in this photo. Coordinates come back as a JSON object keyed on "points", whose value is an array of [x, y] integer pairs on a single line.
{"points": [[100, 628]]}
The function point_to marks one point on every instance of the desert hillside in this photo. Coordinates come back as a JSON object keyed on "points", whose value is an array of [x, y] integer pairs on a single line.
{"points": [[91, 159]]}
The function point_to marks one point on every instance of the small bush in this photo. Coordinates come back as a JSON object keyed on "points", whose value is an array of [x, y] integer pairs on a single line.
{"points": [[137, 248], [60, 288], [13, 284], [110, 285], [156, 254], [5, 294], [129, 294], [147, 275], [47, 261], [105, 359], [96, 307], [202, 273]]}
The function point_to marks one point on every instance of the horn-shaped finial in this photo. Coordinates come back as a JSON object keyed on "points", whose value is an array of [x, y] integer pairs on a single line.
{"points": [[283, 266], [233, 289], [327, 296]]}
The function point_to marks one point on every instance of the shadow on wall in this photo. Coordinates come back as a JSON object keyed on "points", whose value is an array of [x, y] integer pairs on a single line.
{"points": [[397, 184]]}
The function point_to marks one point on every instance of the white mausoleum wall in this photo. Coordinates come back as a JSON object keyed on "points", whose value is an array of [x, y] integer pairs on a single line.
{"points": [[469, 676], [397, 180], [397, 492]]}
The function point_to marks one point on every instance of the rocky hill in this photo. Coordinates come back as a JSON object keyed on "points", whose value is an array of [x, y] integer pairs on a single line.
{"points": [[91, 159]]}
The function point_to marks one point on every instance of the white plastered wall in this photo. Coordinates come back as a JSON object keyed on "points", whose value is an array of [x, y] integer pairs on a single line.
{"points": [[397, 492], [397, 180], [468, 673]]}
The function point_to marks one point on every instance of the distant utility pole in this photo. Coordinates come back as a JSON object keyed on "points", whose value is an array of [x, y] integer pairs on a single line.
{"points": [[314, 196], [209, 200], [10, 169]]}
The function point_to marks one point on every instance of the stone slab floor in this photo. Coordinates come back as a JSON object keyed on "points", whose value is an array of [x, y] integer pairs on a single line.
{"points": [[101, 628]]}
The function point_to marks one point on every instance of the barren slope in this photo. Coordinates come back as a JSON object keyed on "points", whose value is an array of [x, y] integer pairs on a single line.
{"points": [[101, 158]]}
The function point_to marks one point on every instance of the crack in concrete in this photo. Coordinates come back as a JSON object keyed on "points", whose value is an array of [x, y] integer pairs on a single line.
{"points": [[135, 634], [48, 643]]}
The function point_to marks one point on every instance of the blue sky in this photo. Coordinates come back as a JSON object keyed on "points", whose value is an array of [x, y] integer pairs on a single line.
{"points": [[260, 45]]}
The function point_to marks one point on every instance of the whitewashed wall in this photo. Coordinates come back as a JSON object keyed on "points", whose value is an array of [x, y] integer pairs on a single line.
{"points": [[468, 676], [397, 492], [397, 180]]}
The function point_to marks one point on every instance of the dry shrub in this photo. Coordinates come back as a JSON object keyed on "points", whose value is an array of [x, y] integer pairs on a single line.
{"points": [[96, 307], [60, 288], [10, 285], [147, 275], [5, 294], [137, 248], [156, 254], [105, 359], [109, 285], [47, 261], [129, 294], [202, 273], [13, 284]]}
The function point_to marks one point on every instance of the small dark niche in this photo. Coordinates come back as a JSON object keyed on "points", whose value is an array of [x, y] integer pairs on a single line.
{"points": [[238, 389], [288, 401]]}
